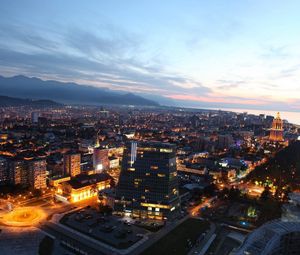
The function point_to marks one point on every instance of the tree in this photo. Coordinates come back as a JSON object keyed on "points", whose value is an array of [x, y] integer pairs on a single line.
{"points": [[105, 209], [224, 193], [286, 194], [210, 190], [266, 194], [270, 210], [234, 193]]}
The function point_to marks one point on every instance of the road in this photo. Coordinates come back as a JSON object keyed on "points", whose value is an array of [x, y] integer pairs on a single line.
{"points": [[203, 245], [196, 210], [250, 188]]}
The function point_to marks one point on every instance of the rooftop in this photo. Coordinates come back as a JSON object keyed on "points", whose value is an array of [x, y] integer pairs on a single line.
{"points": [[84, 180]]}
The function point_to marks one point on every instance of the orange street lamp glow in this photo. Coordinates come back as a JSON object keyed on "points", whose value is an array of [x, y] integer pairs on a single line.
{"points": [[23, 217]]}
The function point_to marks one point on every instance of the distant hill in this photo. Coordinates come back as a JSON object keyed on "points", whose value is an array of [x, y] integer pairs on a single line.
{"points": [[25, 87], [12, 101], [284, 167]]}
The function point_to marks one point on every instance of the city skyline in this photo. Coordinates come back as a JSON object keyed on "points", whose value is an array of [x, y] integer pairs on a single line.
{"points": [[192, 54]]}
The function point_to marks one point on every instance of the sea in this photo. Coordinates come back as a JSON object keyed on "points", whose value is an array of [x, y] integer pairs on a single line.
{"points": [[291, 117]]}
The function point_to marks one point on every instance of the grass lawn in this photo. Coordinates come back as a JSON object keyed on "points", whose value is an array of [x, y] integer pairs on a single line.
{"points": [[175, 242]]}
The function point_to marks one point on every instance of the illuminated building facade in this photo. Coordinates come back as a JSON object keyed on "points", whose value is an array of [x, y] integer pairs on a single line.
{"points": [[18, 172], [148, 184], [114, 162], [100, 159], [276, 132], [82, 187], [3, 171], [28, 173], [55, 181], [72, 164], [37, 173]]}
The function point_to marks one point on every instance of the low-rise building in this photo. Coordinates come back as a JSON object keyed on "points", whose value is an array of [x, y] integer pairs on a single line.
{"points": [[82, 187], [55, 181]]}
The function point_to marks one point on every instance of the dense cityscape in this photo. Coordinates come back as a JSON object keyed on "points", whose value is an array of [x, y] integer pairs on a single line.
{"points": [[149, 127], [144, 180]]}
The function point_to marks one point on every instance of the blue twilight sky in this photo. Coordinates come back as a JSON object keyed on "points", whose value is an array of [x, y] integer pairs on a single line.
{"points": [[229, 53]]}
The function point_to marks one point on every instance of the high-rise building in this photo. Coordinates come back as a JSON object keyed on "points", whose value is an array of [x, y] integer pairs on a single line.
{"points": [[148, 184], [18, 172], [100, 159], [72, 164], [37, 173], [276, 132], [34, 117], [28, 173], [224, 141], [3, 171], [86, 164]]}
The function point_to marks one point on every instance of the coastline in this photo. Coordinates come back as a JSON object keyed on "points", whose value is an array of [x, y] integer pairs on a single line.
{"points": [[291, 117]]}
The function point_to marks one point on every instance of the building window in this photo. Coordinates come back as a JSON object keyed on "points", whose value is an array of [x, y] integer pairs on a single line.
{"points": [[166, 150]]}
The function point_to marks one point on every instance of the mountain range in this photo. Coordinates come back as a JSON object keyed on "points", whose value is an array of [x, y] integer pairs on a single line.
{"points": [[67, 92], [6, 101]]}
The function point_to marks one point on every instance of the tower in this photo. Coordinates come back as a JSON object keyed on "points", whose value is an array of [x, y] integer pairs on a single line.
{"points": [[148, 184], [37, 173], [276, 132], [72, 164], [100, 159], [3, 171]]}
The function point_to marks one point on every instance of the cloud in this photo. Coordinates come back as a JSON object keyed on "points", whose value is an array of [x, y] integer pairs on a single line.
{"points": [[275, 52], [102, 60], [107, 56], [229, 84]]}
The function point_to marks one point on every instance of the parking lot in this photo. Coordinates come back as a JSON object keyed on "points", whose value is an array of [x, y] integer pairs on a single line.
{"points": [[114, 231]]}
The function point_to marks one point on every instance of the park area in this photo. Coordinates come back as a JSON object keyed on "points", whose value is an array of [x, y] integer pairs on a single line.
{"points": [[180, 240]]}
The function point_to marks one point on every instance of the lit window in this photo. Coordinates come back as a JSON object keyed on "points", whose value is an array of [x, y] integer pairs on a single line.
{"points": [[166, 150], [161, 175], [154, 167]]}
